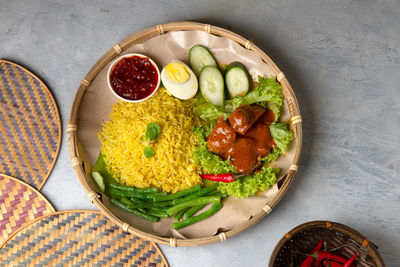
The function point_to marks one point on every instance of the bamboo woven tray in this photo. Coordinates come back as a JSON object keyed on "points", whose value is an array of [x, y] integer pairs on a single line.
{"points": [[30, 126], [303, 238], [80, 165], [20, 203], [78, 238]]}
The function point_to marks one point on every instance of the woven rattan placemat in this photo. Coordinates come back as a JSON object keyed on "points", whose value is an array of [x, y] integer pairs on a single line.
{"points": [[30, 126], [78, 238], [19, 204]]}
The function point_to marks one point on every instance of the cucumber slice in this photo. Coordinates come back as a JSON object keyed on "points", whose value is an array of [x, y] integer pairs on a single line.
{"points": [[199, 57], [211, 85], [237, 79], [99, 180]]}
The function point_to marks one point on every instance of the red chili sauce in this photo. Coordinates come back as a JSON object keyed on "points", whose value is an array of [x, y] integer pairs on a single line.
{"points": [[134, 78]]}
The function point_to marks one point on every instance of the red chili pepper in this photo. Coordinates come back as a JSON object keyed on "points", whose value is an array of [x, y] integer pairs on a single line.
{"points": [[350, 261], [224, 177], [310, 260]]}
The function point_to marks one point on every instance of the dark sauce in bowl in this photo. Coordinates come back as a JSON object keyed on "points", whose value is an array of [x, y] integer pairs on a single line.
{"points": [[134, 78]]}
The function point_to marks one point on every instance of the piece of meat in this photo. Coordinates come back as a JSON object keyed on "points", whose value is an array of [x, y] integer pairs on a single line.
{"points": [[267, 118], [221, 138], [243, 155], [244, 116], [262, 136]]}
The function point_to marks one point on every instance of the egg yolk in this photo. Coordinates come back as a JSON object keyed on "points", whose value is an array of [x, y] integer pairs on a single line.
{"points": [[177, 72]]}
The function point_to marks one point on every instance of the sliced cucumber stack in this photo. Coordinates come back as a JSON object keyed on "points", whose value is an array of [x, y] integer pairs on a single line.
{"points": [[237, 79], [199, 57], [211, 85]]}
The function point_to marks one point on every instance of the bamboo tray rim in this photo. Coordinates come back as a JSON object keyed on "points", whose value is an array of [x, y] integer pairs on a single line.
{"points": [[139, 37], [73, 211], [53, 101], [339, 227]]}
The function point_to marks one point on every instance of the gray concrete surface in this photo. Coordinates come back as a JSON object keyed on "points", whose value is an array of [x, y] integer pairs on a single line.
{"points": [[342, 59]]}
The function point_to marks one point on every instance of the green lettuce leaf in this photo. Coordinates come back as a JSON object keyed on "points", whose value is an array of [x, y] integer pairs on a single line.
{"points": [[282, 135], [210, 111], [272, 156], [211, 163], [268, 93], [249, 185]]}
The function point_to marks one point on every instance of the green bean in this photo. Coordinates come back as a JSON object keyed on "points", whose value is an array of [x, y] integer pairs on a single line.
{"points": [[126, 188], [177, 194], [219, 194], [148, 205], [191, 203], [164, 209], [197, 194], [192, 211], [138, 201], [179, 215], [134, 211], [163, 204], [152, 195], [117, 193], [117, 203], [141, 205], [128, 203], [214, 192], [160, 214], [152, 204], [208, 213]]}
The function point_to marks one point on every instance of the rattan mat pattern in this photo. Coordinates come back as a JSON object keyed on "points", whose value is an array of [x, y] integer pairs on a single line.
{"points": [[30, 125], [19, 204], [78, 238]]}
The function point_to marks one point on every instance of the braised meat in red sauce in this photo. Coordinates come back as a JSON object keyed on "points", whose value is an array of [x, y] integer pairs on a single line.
{"points": [[244, 155], [245, 138], [244, 116], [264, 142], [267, 118], [221, 139]]}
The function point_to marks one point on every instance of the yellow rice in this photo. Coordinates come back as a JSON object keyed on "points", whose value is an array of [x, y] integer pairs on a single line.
{"points": [[171, 168]]}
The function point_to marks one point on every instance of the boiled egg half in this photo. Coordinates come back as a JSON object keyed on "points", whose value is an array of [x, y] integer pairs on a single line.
{"points": [[179, 80]]}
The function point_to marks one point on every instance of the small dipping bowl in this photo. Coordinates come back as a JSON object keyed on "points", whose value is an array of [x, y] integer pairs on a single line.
{"points": [[130, 73]]}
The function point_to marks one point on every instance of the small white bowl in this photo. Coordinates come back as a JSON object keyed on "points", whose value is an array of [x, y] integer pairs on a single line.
{"points": [[112, 68]]}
